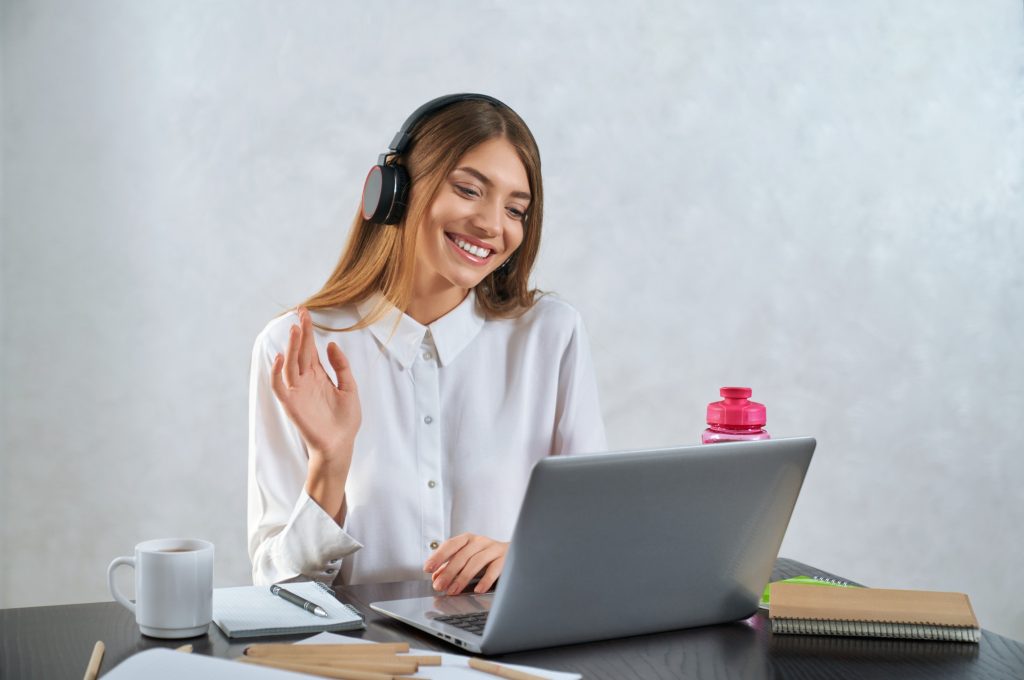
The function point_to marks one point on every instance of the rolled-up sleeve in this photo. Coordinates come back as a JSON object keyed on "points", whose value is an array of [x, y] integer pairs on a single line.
{"points": [[580, 426], [290, 536]]}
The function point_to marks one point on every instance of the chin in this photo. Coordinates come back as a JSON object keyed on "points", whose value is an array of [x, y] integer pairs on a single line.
{"points": [[466, 279]]}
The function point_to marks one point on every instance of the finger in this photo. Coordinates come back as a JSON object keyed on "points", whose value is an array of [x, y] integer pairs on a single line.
{"points": [[307, 348], [291, 358], [342, 369], [438, 575], [457, 562], [475, 565], [445, 551], [276, 379], [490, 575]]}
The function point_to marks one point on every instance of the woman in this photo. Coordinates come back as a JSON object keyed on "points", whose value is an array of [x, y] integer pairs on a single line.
{"points": [[451, 377]]}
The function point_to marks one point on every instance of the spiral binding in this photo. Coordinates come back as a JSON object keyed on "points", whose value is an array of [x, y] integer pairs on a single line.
{"points": [[909, 631], [327, 589]]}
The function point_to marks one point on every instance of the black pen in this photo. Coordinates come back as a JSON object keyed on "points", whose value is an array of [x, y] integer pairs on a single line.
{"points": [[311, 607]]}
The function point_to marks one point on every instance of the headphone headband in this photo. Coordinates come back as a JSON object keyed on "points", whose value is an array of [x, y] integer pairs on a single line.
{"points": [[404, 134]]}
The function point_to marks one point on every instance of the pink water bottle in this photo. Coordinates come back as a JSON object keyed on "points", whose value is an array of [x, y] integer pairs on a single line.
{"points": [[735, 418]]}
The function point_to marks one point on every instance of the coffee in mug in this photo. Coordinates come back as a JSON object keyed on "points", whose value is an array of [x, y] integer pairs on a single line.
{"points": [[173, 586]]}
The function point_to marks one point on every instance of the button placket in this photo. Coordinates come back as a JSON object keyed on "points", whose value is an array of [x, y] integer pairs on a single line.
{"points": [[428, 445]]}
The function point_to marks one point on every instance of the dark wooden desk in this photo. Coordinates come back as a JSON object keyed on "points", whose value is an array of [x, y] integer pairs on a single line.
{"points": [[55, 642]]}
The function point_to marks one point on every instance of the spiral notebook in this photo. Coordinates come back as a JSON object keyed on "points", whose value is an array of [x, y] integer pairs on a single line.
{"points": [[253, 611], [872, 612]]}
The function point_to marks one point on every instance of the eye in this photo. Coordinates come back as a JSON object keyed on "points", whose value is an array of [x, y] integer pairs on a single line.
{"points": [[467, 191], [516, 213]]}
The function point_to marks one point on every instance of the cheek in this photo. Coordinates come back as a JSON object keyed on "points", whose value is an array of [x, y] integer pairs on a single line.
{"points": [[429, 246], [430, 232], [514, 236]]}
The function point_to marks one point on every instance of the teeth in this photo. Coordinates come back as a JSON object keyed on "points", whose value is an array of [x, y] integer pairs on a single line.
{"points": [[470, 248]]}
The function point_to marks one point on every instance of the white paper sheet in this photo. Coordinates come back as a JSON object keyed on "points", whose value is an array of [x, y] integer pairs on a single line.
{"points": [[166, 664]]}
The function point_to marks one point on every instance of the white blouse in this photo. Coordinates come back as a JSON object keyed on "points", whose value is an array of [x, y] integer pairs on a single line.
{"points": [[455, 414]]}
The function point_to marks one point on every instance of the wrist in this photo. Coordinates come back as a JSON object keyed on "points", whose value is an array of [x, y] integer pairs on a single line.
{"points": [[325, 485], [333, 467], [333, 455]]}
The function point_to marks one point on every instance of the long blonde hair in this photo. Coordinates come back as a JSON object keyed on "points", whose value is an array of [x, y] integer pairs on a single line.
{"points": [[381, 258]]}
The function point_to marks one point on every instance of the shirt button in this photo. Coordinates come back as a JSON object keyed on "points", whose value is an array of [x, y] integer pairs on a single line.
{"points": [[434, 545], [428, 356], [431, 483], [428, 420]]}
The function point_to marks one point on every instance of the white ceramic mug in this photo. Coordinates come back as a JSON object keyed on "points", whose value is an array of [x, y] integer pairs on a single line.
{"points": [[173, 586]]}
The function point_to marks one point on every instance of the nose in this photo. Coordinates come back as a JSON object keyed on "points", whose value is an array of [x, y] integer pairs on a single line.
{"points": [[489, 218]]}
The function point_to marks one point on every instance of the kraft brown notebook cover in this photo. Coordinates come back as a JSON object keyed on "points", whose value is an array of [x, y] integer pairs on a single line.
{"points": [[872, 612]]}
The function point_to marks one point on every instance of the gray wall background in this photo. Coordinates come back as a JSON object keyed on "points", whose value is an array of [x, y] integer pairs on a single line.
{"points": [[821, 200]]}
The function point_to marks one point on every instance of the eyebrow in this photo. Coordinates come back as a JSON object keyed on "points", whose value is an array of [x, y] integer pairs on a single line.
{"points": [[483, 178]]}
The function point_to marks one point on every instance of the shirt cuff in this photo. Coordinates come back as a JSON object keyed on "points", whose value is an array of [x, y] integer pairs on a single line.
{"points": [[312, 544]]}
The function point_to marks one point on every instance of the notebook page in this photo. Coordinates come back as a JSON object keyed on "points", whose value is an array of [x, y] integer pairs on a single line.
{"points": [[256, 608]]}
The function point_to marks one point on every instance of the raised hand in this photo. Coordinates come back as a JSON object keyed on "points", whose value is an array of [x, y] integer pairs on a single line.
{"points": [[327, 416], [460, 559]]}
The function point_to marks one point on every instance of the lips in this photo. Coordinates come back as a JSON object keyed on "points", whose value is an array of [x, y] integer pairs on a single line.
{"points": [[468, 250]]}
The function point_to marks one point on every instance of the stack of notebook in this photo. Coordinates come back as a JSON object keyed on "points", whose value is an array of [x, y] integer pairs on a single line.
{"points": [[872, 612]]}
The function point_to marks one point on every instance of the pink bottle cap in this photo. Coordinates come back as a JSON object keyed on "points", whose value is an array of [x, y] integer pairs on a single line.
{"points": [[736, 410]]}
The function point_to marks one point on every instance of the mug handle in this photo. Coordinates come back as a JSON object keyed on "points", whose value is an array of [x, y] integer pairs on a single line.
{"points": [[130, 561]]}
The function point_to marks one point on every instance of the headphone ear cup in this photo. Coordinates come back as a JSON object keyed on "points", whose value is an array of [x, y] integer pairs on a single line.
{"points": [[385, 193], [373, 189]]}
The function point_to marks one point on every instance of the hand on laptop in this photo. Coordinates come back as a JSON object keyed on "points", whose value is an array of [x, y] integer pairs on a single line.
{"points": [[461, 558]]}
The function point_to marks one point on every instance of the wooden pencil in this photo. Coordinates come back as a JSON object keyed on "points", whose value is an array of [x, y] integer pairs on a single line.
{"points": [[312, 651], [423, 659], [339, 673], [501, 671], [93, 669], [308, 654], [341, 650], [391, 665]]}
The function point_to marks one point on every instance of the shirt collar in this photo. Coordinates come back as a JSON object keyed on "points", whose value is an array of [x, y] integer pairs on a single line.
{"points": [[456, 329], [451, 333]]}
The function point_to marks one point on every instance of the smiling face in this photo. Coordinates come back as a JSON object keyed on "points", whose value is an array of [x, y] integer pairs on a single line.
{"points": [[473, 225]]}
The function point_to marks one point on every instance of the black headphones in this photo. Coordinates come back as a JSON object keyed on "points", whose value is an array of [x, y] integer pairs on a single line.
{"points": [[386, 188]]}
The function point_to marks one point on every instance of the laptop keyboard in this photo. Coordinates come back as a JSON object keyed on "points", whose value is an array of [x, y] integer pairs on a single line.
{"points": [[471, 623]]}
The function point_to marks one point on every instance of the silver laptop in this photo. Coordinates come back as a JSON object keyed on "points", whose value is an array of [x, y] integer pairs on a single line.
{"points": [[615, 544]]}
